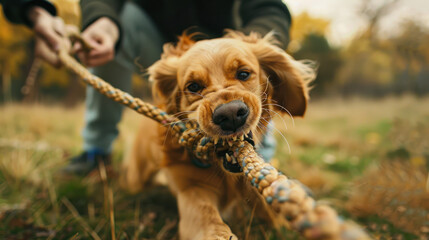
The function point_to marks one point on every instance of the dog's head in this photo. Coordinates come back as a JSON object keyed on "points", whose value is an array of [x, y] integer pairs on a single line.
{"points": [[231, 86]]}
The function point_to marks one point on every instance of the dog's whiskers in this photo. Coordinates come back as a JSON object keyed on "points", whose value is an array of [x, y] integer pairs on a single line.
{"points": [[179, 114], [281, 134], [266, 84], [264, 97], [260, 130], [280, 116], [281, 107], [186, 120], [170, 127]]}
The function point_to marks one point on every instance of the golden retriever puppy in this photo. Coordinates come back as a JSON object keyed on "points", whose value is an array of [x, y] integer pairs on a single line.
{"points": [[231, 86]]}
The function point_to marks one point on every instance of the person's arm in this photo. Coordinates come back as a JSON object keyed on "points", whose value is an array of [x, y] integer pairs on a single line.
{"points": [[92, 10], [16, 11], [263, 16], [101, 29]]}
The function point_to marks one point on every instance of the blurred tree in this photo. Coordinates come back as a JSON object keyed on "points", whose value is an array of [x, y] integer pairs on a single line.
{"points": [[373, 11], [367, 69], [411, 55], [317, 48], [302, 26], [376, 67], [308, 41], [14, 42]]}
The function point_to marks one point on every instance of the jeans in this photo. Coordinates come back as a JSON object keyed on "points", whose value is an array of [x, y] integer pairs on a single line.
{"points": [[142, 41]]}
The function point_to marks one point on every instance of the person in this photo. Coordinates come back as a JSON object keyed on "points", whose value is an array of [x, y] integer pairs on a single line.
{"points": [[122, 31]]}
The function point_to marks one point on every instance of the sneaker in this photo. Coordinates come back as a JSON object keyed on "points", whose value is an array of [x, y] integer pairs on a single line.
{"points": [[86, 162]]}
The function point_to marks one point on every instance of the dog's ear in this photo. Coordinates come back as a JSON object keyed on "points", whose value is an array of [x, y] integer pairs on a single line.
{"points": [[289, 78], [163, 73]]}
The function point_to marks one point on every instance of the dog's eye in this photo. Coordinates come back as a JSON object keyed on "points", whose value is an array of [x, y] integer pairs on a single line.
{"points": [[194, 87], [242, 75]]}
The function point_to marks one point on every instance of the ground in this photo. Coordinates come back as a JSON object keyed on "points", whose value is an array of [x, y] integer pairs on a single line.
{"points": [[337, 150]]}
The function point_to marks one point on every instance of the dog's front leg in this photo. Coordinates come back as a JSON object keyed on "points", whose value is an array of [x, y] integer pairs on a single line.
{"points": [[200, 217]]}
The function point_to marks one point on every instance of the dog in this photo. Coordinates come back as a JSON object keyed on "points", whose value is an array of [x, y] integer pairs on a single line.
{"points": [[231, 86]]}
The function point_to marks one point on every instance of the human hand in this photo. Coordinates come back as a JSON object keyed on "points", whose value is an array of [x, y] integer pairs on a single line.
{"points": [[50, 35], [101, 36]]}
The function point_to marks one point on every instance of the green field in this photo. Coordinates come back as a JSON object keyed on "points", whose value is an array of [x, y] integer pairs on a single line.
{"points": [[368, 159]]}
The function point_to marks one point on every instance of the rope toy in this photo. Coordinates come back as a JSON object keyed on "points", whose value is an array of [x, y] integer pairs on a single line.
{"points": [[286, 197]]}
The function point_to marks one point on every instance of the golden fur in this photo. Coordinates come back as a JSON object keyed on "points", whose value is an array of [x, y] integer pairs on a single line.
{"points": [[277, 83]]}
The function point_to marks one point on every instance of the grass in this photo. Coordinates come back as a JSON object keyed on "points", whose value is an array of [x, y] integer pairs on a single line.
{"points": [[338, 145]]}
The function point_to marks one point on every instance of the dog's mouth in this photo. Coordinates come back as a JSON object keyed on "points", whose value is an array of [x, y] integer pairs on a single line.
{"points": [[229, 123], [229, 158]]}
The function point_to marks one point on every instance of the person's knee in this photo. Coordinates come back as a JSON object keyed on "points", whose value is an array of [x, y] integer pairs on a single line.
{"points": [[142, 39]]}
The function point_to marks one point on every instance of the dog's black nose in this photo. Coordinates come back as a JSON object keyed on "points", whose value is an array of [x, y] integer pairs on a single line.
{"points": [[231, 116]]}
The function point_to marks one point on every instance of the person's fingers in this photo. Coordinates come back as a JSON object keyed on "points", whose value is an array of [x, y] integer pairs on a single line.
{"points": [[67, 44], [43, 51], [59, 26], [82, 57], [100, 60], [92, 61], [92, 39], [100, 51], [85, 58], [47, 32], [72, 29], [102, 46], [77, 46], [51, 29], [52, 39]]}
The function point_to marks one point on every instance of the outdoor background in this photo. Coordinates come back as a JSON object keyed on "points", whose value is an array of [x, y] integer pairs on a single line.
{"points": [[363, 146]]}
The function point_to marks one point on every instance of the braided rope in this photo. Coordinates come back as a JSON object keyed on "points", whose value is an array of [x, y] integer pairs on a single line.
{"points": [[119, 96], [285, 196]]}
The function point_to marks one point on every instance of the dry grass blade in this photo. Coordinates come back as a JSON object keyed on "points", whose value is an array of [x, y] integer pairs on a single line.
{"points": [[108, 194], [53, 196], [81, 221], [246, 236], [137, 220], [169, 224], [74, 236]]}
